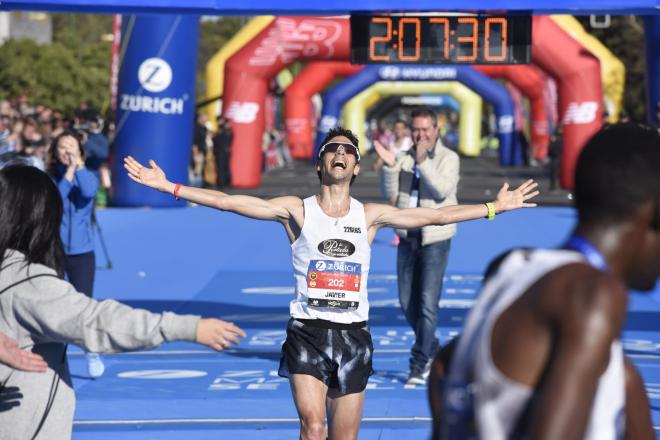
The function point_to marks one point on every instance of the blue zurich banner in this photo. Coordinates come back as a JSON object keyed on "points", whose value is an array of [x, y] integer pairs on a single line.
{"points": [[155, 102]]}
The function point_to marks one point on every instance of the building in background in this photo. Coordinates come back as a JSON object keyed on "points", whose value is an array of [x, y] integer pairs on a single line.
{"points": [[35, 26]]}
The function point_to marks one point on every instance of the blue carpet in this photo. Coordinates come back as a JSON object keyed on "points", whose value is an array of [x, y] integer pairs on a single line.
{"points": [[197, 260]]}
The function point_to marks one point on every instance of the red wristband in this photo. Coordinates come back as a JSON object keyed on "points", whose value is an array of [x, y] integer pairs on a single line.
{"points": [[177, 187]]}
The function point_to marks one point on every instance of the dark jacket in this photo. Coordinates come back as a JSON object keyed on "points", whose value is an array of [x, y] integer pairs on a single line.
{"points": [[97, 150]]}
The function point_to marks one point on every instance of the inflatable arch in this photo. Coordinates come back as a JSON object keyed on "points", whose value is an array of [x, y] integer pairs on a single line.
{"points": [[652, 36], [388, 103], [370, 102], [490, 91], [577, 73], [299, 114], [439, 101], [215, 68], [290, 39], [247, 73], [530, 81], [355, 110], [612, 70]]}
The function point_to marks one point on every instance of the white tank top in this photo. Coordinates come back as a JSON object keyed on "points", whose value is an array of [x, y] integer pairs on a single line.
{"points": [[484, 402], [331, 265]]}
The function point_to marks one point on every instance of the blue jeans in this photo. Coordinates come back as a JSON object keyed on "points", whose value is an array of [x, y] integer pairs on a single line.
{"points": [[420, 270]]}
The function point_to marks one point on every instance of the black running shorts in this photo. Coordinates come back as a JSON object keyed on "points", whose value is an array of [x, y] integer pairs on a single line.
{"points": [[338, 355]]}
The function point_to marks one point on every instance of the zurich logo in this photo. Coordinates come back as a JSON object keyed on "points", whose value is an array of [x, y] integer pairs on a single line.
{"points": [[320, 265], [155, 74]]}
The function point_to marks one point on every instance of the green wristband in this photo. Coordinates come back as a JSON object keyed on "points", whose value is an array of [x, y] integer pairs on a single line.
{"points": [[491, 210]]}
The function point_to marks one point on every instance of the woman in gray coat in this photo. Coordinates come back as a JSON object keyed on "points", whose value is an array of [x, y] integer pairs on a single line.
{"points": [[43, 312]]}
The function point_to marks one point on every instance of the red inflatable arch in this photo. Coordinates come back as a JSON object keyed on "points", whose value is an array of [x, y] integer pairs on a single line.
{"points": [[290, 39], [530, 81], [247, 72], [299, 114], [577, 73]]}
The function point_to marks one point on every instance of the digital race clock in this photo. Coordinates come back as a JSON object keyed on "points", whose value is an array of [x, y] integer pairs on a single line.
{"points": [[441, 39]]}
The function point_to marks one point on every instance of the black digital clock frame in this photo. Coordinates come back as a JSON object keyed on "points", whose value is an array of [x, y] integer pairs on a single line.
{"points": [[440, 39]]}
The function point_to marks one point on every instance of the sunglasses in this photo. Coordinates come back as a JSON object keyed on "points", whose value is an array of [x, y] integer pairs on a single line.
{"points": [[332, 147]]}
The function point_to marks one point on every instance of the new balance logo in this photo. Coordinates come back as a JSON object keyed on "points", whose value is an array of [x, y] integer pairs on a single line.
{"points": [[243, 112], [352, 229], [580, 112]]}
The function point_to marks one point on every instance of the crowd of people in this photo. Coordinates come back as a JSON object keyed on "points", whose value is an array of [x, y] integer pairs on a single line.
{"points": [[211, 152], [27, 132]]}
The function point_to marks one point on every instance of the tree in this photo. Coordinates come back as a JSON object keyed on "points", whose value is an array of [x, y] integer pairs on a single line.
{"points": [[213, 35], [53, 74], [76, 66], [625, 38]]}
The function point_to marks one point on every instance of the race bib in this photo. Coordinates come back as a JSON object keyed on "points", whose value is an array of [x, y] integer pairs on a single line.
{"points": [[332, 283]]}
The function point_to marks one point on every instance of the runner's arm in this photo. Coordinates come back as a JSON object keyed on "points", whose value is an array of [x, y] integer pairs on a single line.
{"points": [[248, 206], [638, 412], [389, 216], [585, 327]]}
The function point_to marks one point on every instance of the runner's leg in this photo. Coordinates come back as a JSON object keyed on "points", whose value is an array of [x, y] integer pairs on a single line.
{"points": [[309, 397], [344, 415]]}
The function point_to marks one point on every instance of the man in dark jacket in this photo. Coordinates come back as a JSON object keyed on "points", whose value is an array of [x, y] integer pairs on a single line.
{"points": [[222, 151], [96, 145]]}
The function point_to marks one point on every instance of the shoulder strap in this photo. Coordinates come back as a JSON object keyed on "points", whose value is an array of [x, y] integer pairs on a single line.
{"points": [[27, 279]]}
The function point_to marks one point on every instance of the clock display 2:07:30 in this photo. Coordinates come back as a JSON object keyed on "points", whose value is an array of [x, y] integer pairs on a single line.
{"points": [[437, 39]]}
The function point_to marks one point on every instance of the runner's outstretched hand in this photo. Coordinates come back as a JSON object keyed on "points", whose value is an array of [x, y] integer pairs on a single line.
{"points": [[153, 177], [507, 200]]}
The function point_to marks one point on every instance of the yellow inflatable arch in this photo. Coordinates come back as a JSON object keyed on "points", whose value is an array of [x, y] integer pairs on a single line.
{"points": [[355, 111], [612, 70], [215, 68]]}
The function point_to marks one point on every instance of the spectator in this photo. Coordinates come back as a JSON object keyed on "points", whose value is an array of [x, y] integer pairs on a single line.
{"points": [[199, 146], [399, 144], [554, 152], [77, 186], [95, 144], [44, 312], [426, 176], [33, 143], [5, 132], [222, 151], [58, 124]]}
